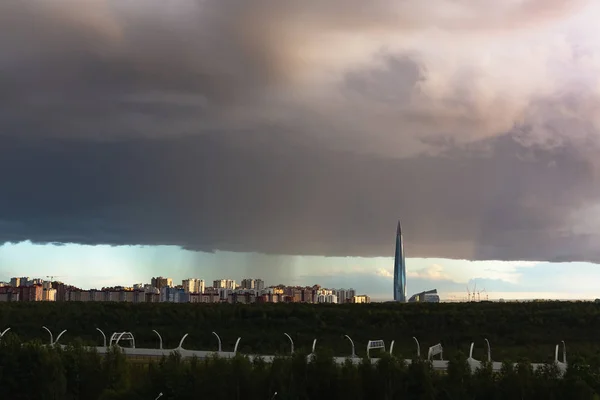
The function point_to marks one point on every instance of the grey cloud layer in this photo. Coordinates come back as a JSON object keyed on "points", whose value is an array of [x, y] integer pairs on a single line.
{"points": [[266, 126], [204, 193], [157, 68]]}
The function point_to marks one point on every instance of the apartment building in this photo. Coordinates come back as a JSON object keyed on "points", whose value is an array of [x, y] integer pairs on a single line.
{"points": [[159, 282], [253, 284], [193, 285], [9, 293], [225, 284], [30, 293]]}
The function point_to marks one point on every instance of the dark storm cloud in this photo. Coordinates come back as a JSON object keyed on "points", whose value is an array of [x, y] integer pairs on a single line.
{"points": [[268, 127], [205, 194]]}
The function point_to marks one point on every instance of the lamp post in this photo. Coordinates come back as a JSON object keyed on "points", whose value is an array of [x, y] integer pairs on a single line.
{"points": [[103, 336], [351, 342], [159, 338], [159, 396], [489, 350], [418, 347], [219, 339], [291, 341]]}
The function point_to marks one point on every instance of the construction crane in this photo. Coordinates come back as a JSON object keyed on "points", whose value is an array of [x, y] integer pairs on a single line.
{"points": [[486, 295], [55, 276]]}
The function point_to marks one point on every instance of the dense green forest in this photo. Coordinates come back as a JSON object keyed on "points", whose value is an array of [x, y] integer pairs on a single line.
{"points": [[35, 371], [515, 330]]}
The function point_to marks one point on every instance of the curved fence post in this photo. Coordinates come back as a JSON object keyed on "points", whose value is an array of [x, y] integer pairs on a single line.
{"points": [[471, 350], [51, 337], [352, 343], [291, 341], [4, 332], [103, 335], [418, 347], [181, 342], [159, 339], [237, 342], [219, 339], [59, 335]]}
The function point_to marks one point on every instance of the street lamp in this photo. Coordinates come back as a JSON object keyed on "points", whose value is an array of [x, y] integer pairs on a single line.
{"points": [[159, 396], [292, 342], [352, 342], [418, 347], [103, 335], [219, 339], [159, 338], [274, 394]]}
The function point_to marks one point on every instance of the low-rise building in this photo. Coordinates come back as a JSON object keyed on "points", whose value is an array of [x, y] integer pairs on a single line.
{"points": [[363, 298], [429, 296]]}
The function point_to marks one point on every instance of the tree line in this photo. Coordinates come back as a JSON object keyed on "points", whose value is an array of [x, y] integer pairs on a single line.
{"points": [[514, 330], [32, 370]]}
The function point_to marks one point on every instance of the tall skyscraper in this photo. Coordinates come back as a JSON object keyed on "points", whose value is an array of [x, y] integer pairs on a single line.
{"points": [[399, 268]]}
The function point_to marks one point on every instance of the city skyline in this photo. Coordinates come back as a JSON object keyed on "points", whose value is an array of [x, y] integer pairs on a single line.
{"points": [[164, 290], [89, 266], [188, 285]]}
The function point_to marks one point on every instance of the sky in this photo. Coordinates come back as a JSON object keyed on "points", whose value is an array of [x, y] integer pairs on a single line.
{"points": [[240, 133]]}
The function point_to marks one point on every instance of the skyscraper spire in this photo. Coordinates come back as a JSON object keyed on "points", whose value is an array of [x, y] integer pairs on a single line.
{"points": [[399, 268]]}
